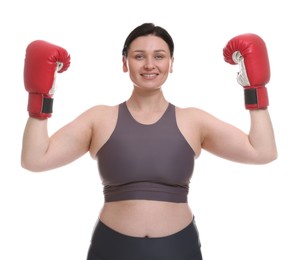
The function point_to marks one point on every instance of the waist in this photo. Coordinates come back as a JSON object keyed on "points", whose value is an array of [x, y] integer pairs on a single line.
{"points": [[146, 218]]}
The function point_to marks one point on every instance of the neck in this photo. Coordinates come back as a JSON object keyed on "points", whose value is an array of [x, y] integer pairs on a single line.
{"points": [[152, 101]]}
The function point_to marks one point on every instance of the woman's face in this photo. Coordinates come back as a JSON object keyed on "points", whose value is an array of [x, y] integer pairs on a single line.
{"points": [[148, 62]]}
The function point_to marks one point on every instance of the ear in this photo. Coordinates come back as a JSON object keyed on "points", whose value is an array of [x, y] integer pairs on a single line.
{"points": [[124, 64], [171, 65]]}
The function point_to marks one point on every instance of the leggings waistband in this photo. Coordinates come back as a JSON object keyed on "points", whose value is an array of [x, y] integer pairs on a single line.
{"points": [[108, 244]]}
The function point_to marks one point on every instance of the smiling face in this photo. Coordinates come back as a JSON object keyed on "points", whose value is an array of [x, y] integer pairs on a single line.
{"points": [[148, 62]]}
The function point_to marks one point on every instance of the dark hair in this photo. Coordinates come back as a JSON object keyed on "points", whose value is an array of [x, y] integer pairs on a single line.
{"points": [[147, 29]]}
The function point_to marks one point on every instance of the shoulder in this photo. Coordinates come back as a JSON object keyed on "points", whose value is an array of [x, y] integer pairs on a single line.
{"points": [[192, 113], [100, 112], [102, 120], [197, 118], [102, 109], [192, 123], [96, 116]]}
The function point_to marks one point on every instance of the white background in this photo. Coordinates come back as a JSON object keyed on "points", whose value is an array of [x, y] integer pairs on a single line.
{"points": [[243, 212]]}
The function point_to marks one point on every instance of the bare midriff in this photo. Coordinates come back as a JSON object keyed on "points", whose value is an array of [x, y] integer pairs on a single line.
{"points": [[146, 218]]}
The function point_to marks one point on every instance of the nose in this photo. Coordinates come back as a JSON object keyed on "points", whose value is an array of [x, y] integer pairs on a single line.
{"points": [[149, 64]]}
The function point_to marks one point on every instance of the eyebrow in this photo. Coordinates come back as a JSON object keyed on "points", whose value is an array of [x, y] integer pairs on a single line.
{"points": [[161, 50]]}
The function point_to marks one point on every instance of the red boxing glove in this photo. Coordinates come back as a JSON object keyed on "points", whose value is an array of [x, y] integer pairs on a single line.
{"points": [[250, 52], [43, 60]]}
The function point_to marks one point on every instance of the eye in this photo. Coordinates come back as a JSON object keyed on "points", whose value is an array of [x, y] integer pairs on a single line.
{"points": [[159, 57], [139, 57]]}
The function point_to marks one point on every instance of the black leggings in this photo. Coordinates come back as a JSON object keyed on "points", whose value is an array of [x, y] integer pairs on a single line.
{"points": [[107, 244]]}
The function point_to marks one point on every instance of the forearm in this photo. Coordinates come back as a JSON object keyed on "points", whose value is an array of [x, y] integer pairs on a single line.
{"points": [[35, 143], [261, 136]]}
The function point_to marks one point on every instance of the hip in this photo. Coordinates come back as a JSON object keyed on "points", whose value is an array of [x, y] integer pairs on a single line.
{"points": [[109, 244]]}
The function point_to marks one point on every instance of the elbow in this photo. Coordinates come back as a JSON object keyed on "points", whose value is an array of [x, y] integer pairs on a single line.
{"points": [[268, 157], [273, 155], [30, 165]]}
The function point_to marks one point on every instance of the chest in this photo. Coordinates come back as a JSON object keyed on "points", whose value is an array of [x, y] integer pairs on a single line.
{"points": [[137, 152], [144, 156]]}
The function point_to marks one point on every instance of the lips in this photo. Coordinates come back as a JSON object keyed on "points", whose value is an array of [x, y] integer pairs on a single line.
{"points": [[149, 75]]}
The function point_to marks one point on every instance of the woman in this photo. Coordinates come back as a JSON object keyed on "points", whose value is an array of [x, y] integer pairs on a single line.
{"points": [[145, 146]]}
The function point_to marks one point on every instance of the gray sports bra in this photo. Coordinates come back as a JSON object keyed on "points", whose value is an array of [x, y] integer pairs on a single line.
{"points": [[150, 162]]}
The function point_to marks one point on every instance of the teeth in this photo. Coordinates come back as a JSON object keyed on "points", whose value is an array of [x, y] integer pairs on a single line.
{"points": [[149, 75]]}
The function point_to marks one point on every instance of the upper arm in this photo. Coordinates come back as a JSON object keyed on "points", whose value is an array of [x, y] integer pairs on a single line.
{"points": [[70, 142], [226, 140], [86, 133]]}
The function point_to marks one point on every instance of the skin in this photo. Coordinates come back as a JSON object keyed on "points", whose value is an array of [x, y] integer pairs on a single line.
{"points": [[148, 64]]}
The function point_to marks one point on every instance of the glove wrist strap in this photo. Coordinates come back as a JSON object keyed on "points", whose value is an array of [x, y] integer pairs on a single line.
{"points": [[256, 97], [40, 105]]}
